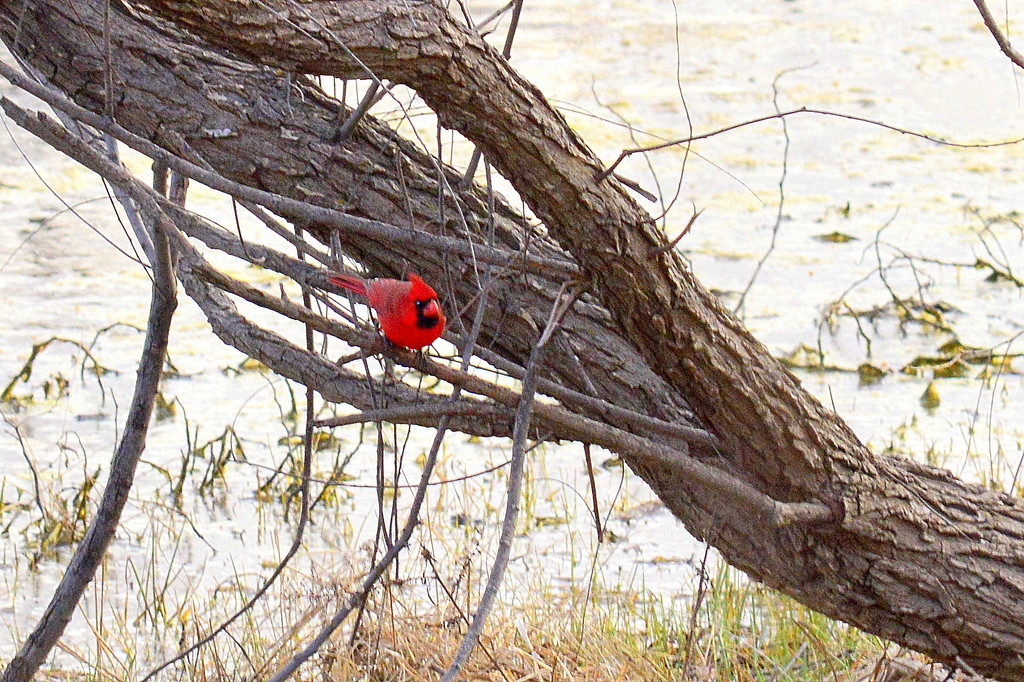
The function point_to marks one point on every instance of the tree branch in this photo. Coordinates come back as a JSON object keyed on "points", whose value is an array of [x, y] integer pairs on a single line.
{"points": [[252, 154], [512, 500], [651, 338], [1001, 40], [90, 552]]}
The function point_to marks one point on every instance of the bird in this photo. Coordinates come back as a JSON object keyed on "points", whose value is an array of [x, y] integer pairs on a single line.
{"points": [[409, 312]]}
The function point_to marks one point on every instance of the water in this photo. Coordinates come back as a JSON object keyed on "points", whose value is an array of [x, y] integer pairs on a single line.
{"points": [[912, 65], [929, 67]]}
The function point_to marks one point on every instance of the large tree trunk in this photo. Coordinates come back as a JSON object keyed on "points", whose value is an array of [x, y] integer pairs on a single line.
{"points": [[909, 552]]}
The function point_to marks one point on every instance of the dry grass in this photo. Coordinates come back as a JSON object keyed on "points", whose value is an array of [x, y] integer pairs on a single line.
{"points": [[733, 631], [542, 642], [412, 627], [619, 639], [744, 632]]}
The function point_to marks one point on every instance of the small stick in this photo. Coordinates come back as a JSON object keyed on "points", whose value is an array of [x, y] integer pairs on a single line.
{"points": [[524, 412], [635, 186], [686, 230], [593, 492]]}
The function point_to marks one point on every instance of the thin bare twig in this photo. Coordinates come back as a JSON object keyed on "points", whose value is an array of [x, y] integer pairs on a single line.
{"points": [[506, 52], [482, 24], [346, 128], [514, 492], [782, 194], [405, 413], [685, 231], [1001, 39], [792, 112], [90, 552], [29, 462], [593, 492], [292, 209]]}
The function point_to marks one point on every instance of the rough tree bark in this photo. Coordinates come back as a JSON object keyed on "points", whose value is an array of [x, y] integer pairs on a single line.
{"points": [[910, 553]]}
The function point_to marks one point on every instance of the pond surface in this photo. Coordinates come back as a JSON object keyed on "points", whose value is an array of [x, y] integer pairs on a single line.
{"points": [[919, 216]]}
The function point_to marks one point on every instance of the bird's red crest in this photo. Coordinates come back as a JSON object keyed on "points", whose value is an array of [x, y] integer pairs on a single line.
{"points": [[421, 289]]}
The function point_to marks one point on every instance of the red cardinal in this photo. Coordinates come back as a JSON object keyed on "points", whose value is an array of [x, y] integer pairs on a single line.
{"points": [[409, 313]]}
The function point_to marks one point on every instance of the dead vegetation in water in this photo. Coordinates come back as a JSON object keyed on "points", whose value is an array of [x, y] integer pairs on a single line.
{"points": [[411, 626], [734, 631], [912, 309]]}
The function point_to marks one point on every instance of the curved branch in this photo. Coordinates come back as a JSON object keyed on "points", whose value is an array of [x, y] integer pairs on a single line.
{"points": [[916, 555], [896, 515], [164, 106], [91, 551], [1001, 40], [782, 115]]}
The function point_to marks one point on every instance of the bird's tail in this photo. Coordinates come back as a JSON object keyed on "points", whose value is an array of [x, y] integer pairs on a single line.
{"points": [[350, 282]]}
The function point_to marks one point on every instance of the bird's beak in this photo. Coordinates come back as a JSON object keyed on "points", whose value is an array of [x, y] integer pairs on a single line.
{"points": [[432, 309]]}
